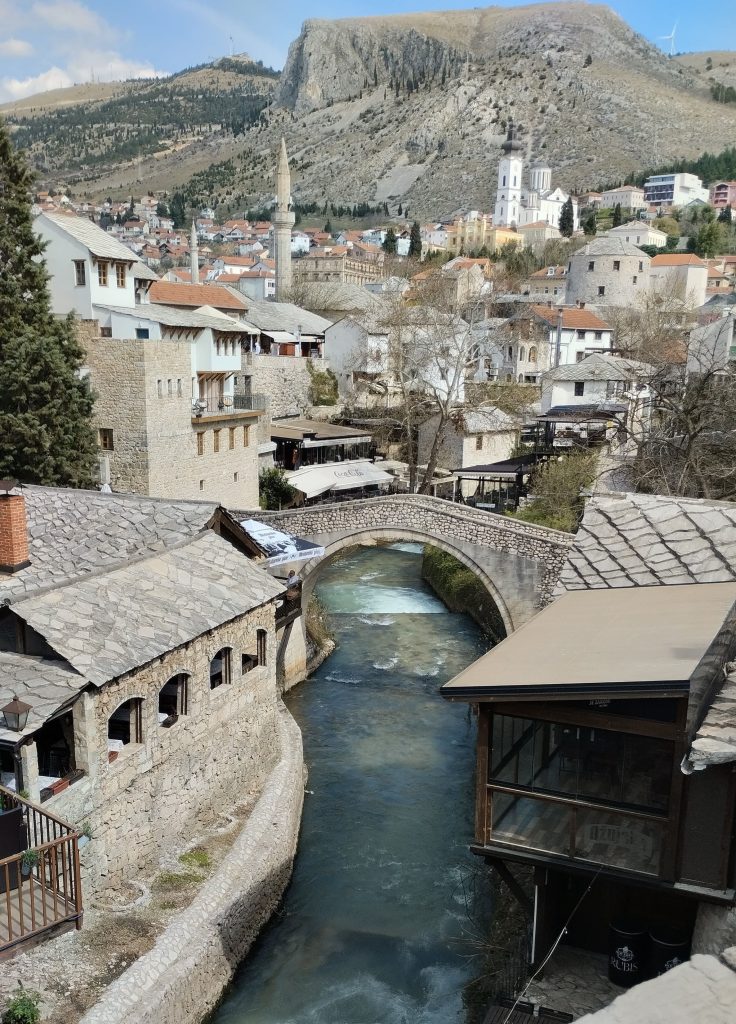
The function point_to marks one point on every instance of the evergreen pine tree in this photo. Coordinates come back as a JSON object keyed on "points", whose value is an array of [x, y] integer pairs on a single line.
{"points": [[567, 219], [617, 218], [415, 240], [590, 225], [45, 409], [389, 242], [399, 211]]}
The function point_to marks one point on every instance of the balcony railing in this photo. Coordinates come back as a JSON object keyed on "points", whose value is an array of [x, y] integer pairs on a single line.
{"points": [[290, 607], [40, 885], [624, 840], [223, 404]]}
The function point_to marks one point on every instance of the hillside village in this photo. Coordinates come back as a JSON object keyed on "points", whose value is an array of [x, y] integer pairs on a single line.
{"points": [[203, 408]]}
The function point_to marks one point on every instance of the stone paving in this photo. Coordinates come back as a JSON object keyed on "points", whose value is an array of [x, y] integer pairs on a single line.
{"points": [[574, 981]]}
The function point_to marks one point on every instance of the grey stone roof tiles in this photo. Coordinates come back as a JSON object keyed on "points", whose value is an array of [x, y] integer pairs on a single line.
{"points": [[645, 540], [715, 740], [73, 533], [45, 685], [107, 624]]}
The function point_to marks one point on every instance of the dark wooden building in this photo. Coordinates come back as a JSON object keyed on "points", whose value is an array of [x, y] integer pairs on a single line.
{"points": [[586, 719]]}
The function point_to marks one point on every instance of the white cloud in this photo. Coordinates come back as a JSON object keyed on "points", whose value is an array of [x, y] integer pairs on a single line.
{"points": [[15, 48], [67, 32], [106, 66]]}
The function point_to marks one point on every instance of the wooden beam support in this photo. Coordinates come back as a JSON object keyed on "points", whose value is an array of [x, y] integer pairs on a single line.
{"points": [[506, 875]]}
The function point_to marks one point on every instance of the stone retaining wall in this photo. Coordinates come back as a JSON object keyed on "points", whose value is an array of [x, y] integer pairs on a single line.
{"points": [[183, 977]]}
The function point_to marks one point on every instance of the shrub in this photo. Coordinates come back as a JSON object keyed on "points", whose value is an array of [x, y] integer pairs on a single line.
{"points": [[23, 1008], [556, 489], [275, 491]]}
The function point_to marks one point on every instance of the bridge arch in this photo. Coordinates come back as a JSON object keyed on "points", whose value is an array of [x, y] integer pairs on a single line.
{"points": [[372, 537]]}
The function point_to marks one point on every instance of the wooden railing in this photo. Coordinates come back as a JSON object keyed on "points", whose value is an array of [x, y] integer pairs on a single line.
{"points": [[40, 886]]}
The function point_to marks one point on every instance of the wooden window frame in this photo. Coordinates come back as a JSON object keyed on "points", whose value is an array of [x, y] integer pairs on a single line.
{"points": [[246, 436], [106, 439], [226, 671], [200, 442], [80, 273], [231, 438], [215, 440], [103, 272], [181, 680], [120, 275], [262, 646]]}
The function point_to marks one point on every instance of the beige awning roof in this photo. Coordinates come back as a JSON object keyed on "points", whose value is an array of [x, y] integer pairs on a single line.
{"points": [[627, 640], [343, 476]]}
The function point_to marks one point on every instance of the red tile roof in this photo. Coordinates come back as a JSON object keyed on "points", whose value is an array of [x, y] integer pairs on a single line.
{"points": [[572, 317], [171, 293], [677, 259]]}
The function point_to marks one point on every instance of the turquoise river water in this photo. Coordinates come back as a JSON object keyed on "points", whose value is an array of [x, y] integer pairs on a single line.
{"points": [[375, 928]]}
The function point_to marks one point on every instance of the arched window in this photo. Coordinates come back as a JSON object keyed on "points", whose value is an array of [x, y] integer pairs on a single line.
{"points": [[511, 351], [220, 668], [504, 181], [173, 699], [533, 354], [521, 378], [522, 354], [124, 726]]}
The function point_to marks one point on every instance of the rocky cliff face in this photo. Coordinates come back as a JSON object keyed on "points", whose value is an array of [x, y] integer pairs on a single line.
{"points": [[334, 60]]}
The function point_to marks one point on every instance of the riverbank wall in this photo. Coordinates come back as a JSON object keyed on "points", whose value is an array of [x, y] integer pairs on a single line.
{"points": [[182, 979], [461, 591]]}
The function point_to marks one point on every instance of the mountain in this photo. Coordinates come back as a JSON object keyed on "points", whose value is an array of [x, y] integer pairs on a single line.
{"points": [[409, 108]]}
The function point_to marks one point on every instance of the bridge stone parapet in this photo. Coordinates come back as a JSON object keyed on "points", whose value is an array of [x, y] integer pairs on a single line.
{"points": [[519, 562]]}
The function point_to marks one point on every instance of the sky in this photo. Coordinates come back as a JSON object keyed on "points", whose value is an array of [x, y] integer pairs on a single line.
{"points": [[48, 44]]}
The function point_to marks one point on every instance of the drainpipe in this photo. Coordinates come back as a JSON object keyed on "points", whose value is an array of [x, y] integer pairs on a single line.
{"points": [[558, 338]]}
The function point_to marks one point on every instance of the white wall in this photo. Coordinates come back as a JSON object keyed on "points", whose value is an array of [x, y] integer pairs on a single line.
{"points": [[349, 348], [687, 282]]}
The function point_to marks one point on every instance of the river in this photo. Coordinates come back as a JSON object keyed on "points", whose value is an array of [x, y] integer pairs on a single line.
{"points": [[374, 928]]}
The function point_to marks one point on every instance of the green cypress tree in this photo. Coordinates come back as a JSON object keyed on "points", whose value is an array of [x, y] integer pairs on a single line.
{"points": [[45, 409], [415, 240], [617, 216], [389, 242], [567, 219]]}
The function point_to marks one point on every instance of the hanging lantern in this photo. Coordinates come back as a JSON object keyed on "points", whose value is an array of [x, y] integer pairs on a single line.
{"points": [[16, 714]]}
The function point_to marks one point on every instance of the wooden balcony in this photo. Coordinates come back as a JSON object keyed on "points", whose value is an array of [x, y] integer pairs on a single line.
{"points": [[290, 608], [40, 887]]}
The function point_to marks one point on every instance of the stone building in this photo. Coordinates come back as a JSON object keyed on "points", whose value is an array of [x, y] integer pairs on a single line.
{"points": [[607, 272], [143, 636]]}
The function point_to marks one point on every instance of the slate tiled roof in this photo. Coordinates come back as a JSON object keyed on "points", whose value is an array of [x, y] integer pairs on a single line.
{"points": [[715, 740], [600, 366], [45, 685], [285, 316], [99, 242], [634, 540], [111, 623], [73, 533]]}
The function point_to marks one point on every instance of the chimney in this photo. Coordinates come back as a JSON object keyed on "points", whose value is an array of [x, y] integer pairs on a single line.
{"points": [[13, 529]]}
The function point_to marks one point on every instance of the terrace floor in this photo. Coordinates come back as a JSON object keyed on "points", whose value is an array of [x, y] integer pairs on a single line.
{"points": [[574, 981]]}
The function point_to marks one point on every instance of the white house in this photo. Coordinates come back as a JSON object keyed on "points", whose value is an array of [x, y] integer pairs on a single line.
{"points": [[640, 232], [357, 352], [87, 266], [680, 274], [674, 190], [628, 197], [577, 333]]}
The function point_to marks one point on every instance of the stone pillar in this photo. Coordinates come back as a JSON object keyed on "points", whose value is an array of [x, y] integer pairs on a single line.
{"points": [[86, 739], [29, 767]]}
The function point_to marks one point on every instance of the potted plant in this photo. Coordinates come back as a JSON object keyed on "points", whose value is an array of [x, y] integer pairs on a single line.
{"points": [[28, 862]]}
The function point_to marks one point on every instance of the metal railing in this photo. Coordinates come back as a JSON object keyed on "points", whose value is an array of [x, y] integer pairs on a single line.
{"points": [[40, 886], [218, 404]]}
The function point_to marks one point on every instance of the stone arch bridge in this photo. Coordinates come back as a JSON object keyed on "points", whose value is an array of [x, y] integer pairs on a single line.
{"points": [[517, 562]]}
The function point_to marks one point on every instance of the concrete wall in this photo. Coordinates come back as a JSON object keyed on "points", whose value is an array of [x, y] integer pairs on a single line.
{"points": [[177, 780], [183, 977]]}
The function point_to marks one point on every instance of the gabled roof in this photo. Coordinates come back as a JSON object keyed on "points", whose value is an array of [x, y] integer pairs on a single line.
{"points": [[172, 293], [99, 242], [44, 684], [285, 316], [572, 317], [143, 273], [636, 225], [73, 533], [609, 245], [109, 624], [600, 366], [203, 318]]}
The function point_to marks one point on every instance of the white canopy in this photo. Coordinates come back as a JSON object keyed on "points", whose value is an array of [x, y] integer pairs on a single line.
{"points": [[280, 547], [342, 476]]}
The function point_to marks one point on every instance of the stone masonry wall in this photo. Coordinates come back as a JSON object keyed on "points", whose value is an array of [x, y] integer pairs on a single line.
{"points": [[143, 393], [458, 523], [117, 378], [284, 380], [182, 978], [157, 792]]}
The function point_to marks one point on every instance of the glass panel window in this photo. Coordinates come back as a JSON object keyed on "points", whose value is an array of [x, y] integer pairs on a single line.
{"points": [[618, 840], [102, 274], [533, 824], [80, 273], [581, 762], [120, 269]]}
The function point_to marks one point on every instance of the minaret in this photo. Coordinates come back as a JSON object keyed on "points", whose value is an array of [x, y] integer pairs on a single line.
{"points": [[194, 254], [510, 170], [283, 221]]}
